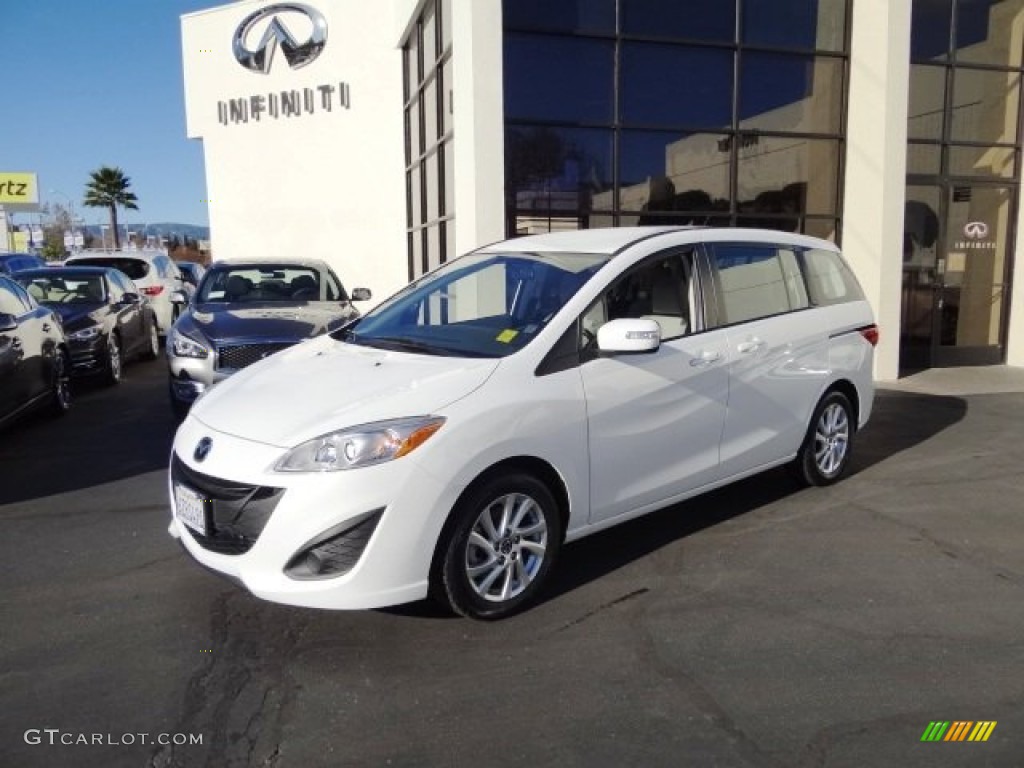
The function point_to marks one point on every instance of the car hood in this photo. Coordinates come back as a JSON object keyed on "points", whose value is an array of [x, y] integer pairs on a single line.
{"points": [[324, 385], [268, 321], [76, 316]]}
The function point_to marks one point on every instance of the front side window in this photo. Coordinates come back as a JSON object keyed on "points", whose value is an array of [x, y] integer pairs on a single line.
{"points": [[482, 305]]}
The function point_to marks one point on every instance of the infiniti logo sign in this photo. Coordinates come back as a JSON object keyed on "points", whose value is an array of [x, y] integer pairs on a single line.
{"points": [[976, 230], [277, 34]]}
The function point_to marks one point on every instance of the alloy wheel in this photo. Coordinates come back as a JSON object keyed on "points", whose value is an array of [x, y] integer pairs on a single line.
{"points": [[831, 439], [506, 547]]}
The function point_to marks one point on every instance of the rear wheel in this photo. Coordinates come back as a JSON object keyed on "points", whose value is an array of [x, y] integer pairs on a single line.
{"points": [[504, 541], [60, 399], [113, 372], [825, 454]]}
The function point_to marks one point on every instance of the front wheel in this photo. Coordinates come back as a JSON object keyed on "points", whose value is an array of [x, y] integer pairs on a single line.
{"points": [[504, 541], [60, 397], [152, 350], [825, 454], [113, 371]]}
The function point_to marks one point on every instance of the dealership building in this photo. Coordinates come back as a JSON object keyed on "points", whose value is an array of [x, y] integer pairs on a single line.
{"points": [[390, 137]]}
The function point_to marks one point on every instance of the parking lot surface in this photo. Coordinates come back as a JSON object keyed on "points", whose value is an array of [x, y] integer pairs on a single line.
{"points": [[763, 625]]}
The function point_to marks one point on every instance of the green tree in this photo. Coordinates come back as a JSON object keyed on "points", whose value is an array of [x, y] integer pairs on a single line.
{"points": [[108, 188]]}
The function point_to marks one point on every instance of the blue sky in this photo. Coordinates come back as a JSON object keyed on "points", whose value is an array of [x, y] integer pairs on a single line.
{"points": [[99, 82]]}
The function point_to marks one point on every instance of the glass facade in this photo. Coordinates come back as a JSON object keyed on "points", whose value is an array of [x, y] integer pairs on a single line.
{"points": [[963, 176], [621, 112], [429, 181]]}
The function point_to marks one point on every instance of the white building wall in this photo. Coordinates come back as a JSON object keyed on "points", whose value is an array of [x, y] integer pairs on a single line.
{"points": [[876, 161], [326, 184]]}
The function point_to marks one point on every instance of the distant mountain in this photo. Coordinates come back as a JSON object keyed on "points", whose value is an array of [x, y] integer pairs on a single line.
{"points": [[159, 229]]}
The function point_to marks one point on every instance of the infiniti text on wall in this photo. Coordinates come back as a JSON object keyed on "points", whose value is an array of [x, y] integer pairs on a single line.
{"points": [[296, 102]]}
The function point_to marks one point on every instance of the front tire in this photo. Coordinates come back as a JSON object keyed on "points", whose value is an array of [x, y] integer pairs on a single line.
{"points": [[114, 361], [60, 399], [152, 351], [825, 454], [504, 541]]}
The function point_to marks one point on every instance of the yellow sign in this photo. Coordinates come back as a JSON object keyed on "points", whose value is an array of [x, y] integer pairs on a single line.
{"points": [[18, 189]]}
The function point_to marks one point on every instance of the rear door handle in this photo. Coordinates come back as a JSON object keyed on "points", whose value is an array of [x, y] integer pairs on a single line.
{"points": [[705, 359], [751, 345]]}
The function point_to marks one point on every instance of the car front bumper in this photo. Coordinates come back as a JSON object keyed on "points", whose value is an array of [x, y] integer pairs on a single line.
{"points": [[387, 517]]}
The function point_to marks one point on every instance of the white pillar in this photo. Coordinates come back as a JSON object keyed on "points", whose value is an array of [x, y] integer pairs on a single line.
{"points": [[876, 160], [478, 123]]}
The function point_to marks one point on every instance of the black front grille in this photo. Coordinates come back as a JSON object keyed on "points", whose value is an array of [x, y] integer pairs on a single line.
{"points": [[235, 513], [234, 357], [335, 552]]}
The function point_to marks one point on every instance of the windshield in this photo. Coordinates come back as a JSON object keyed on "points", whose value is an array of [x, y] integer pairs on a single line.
{"points": [[481, 305], [59, 289], [136, 269], [251, 284]]}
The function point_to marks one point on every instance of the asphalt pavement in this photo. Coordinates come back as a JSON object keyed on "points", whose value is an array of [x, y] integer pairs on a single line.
{"points": [[763, 625]]}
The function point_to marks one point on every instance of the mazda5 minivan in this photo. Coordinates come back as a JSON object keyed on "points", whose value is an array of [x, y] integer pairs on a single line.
{"points": [[528, 394]]}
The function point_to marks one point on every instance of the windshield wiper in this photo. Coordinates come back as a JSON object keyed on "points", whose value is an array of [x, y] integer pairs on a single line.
{"points": [[400, 343]]}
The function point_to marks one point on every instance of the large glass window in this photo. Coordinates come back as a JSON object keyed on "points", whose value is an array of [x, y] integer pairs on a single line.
{"points": [[622, 112], [429, 146]]}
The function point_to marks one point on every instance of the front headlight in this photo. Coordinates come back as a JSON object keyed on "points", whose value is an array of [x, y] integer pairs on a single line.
{"points": [[361, 446], [180, 345], [86, 334]]}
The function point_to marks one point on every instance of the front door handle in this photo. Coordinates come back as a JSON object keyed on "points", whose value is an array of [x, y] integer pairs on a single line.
{"points": [[705, 359], [46, 327]]}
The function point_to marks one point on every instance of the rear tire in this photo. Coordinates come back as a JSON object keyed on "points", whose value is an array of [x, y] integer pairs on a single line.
{"points": [[825, 454], [504, 540]]}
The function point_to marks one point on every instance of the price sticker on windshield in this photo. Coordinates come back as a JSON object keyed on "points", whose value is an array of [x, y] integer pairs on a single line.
{"points": [[507, 335]]}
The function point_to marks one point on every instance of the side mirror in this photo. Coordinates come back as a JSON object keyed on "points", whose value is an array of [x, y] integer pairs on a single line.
{"points": [[629, 336], [178, 297], [361, 294], [130, 298], [8, 323]]}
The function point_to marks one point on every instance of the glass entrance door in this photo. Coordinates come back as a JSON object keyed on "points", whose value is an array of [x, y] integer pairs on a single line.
{"points": [[955, 261]]}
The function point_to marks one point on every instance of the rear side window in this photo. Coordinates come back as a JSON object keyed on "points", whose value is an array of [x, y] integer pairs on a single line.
{"points": [[754, 281], [829, 279], [136, 269]]}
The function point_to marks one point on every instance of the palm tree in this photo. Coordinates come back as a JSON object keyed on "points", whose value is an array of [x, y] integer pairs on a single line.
{"points": [[108, 188]]}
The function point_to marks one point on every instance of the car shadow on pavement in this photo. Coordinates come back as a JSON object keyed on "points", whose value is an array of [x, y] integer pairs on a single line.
{"points": [[899, 421], [110, 433]]}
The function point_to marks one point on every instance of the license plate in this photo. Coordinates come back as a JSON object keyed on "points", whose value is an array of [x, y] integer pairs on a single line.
{"points": [[191, 508]]}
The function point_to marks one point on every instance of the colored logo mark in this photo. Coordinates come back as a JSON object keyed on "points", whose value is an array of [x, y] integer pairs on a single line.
{"points": [[958, 730]]}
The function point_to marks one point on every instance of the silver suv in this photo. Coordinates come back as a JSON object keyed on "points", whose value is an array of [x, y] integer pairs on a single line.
{"points": [[243, 312]]}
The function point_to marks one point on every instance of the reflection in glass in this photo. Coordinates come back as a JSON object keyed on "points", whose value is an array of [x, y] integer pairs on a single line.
{"points": [[924, 159], [429, 40], [812, 24], [415, 193], [930, 30], [985, 32], [709, 20], [780, 92], [430, 113], [560, 15], [668, 172], [985, 105], [927, 102], [675, 85], [787, 175], [558, 171], [446, 24], [432, 187], [449, 177], [826, 229], [555, 78], [982, 161]]}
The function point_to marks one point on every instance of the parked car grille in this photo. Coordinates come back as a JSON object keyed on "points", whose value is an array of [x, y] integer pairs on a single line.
{"points": [[237, 356], [237, 513]]}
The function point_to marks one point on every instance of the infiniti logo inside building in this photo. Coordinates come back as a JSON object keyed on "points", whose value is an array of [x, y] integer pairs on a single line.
{"points": [[976, 230], [278, 32]]}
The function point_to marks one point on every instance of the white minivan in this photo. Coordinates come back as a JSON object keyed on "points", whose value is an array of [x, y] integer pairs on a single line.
{"points": [[530, 393]]}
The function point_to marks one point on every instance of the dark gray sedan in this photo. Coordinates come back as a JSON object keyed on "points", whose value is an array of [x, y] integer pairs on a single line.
{"points": [[246, 311]]}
